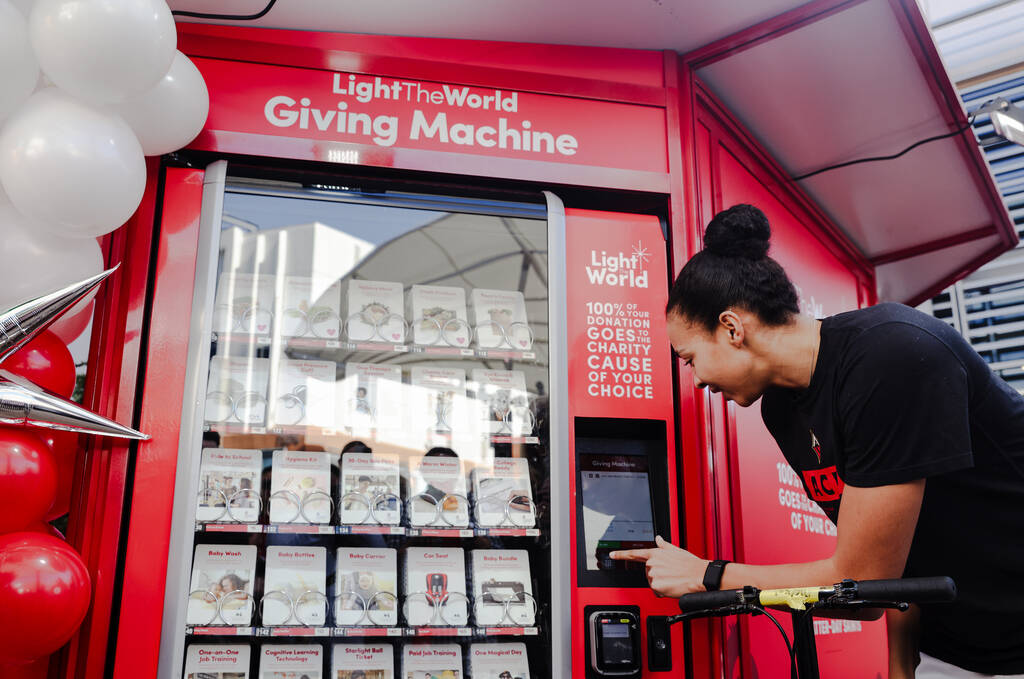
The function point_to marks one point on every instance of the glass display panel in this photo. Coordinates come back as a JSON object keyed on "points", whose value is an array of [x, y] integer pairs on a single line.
{"points": [[374, 458]]}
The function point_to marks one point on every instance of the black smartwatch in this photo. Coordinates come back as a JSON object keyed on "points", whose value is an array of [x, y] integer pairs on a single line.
{"points": [[713, 574]]}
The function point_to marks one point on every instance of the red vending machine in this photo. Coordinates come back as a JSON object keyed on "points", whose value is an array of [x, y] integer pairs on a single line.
{"points": [[414, 424]]}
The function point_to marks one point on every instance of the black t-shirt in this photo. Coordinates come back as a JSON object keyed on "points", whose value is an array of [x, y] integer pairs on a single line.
{"points": [[896, 396]]}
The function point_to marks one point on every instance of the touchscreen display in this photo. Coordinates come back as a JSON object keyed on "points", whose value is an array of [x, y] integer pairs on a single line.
{"points": [[616, 492]]}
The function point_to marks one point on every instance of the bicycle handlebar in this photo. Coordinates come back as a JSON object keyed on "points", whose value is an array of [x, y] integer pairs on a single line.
{"points": [[906, 590]]}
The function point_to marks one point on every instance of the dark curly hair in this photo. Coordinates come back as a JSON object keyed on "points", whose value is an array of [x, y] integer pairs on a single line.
{"points": [[734, 270]]}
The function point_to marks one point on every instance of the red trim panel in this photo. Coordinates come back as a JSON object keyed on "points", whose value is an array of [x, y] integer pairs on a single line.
{"points": [[94, 526], [145, 567]]}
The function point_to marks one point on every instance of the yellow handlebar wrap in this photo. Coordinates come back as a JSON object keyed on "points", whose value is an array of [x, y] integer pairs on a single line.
{"points": [[794, 597]]}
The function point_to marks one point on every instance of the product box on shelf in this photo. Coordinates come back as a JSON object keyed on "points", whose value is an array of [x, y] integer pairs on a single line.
{"points": [[502, 401], [437, 399], [499, 320], [304, 393], [427, 661], [222, 578], [372, 397], [300, 487], [244, 304], [311, 307], [502, 588], [437, 488], [290, 661], [229, 478], [217, 661], [370, 489], [376, 312], [363, 661], [366, 580], [502, 493], [236, 392], [435, 586], [498, 661], [295, 586], [439, 316]]}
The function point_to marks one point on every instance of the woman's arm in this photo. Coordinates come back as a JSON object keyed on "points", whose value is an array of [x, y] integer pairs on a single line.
{"points": [[876, 526]]}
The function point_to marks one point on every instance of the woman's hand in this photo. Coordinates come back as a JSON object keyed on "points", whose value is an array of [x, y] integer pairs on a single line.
{"points": [[671, 571]]}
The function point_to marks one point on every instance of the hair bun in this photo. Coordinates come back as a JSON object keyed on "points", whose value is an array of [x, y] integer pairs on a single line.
{"points": [[740, 231]]}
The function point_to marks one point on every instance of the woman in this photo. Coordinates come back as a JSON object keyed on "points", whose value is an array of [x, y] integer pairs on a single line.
{"points": [[899, 431]]}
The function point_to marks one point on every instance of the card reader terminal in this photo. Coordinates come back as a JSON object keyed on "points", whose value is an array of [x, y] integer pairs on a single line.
{"points": [[615, 643]]}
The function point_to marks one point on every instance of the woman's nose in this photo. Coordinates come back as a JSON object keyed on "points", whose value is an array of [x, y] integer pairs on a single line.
{"points": [[697, 381]]}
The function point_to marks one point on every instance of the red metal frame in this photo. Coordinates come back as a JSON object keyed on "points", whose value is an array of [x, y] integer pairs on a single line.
{"points": [[148, 529], [101, 476]]}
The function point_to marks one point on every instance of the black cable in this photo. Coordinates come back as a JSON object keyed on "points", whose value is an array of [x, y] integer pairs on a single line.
{"points": [[970, 121], [785, 638], [226, 17]]}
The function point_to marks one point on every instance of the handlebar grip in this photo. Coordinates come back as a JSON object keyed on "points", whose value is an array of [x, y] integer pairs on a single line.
{"points": [[910, 590], [699, 601]]}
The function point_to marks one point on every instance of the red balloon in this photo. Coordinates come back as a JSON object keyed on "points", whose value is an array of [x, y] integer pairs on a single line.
{"points": [[47, 362], [73, 323], [44, 594], [28, 479], [65, 448], [35, 669]]}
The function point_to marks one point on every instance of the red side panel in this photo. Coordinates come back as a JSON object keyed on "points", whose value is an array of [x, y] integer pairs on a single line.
{"points": [[152, 493], [619, 367]]}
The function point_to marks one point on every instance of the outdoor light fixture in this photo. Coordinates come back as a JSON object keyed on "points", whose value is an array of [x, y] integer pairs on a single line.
{"points": [[1007, 119]]}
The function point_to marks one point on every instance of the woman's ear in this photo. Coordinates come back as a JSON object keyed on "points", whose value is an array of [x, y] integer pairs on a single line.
{"points": [[730, 322]]}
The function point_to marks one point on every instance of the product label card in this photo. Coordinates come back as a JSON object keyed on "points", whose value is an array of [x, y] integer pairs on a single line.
{"points": [[363, 661], [502, 401], [311, 308], [500, 320], [437, 400], [217, 661], [430, 661], [372, 397], [376, 312], [438, 490], [304, 393], [366, 587], [435, 586], [244, 304], [503, 493], [370, 489], [222, 573], [229, 478], [236, 392], [294, 575], [502, 587], [279, 661], [439, 316], [499, 661], [300, 487]]}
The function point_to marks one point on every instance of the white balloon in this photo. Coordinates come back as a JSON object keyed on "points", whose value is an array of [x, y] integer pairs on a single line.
{"points": [[19, 70], [171, 114], [76, 169], [103, 51], [33, 263]]}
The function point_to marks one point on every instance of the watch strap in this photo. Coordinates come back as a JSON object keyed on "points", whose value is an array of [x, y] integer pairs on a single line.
{"points": [[713, 574]]}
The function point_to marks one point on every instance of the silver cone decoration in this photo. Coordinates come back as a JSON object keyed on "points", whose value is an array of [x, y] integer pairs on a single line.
{"points": [[20, 325], [24, 403]]}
